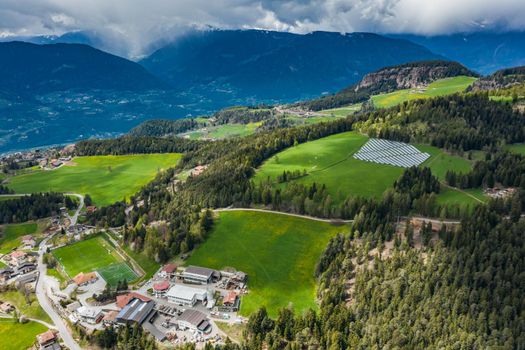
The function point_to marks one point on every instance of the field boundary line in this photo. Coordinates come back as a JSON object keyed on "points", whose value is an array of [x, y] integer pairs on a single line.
{"points": [[330, 221]]}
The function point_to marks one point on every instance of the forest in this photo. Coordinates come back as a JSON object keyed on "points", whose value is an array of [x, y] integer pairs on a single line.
{"points": [[34, 206]]}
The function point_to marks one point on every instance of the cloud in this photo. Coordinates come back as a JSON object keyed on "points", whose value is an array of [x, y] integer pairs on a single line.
{"points": [[140, 23]]}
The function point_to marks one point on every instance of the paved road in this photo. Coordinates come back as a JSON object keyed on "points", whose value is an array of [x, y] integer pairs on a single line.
{"points": [[283, 213], [73, 219]]}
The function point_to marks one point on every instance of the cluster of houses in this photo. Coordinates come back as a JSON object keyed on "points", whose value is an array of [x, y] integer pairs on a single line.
{"points": [[19, 264], [498, 192]]}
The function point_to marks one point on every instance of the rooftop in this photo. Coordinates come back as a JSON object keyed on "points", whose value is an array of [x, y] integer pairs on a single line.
{"points": [[123, 300], [161, 286], [184, 292], [193, 317], [169, 268], [85, 311], [200, 271], [46, 337], [136, 311], [82, 278]]}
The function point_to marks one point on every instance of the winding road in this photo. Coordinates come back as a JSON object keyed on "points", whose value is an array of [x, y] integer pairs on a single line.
{"points": [[283, 213]]}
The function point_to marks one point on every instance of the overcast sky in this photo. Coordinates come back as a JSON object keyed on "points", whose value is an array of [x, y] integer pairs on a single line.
{"points": [[138, 23]]}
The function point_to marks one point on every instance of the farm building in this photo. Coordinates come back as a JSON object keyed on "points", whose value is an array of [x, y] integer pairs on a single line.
{"points": [[168, 271], [160, 288], [85, 278], [17, 257], [89, 315], [194, 321], [200, 275], [185, 295]]}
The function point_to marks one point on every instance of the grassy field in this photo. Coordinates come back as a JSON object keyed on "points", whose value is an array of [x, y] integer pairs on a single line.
{"points": [[94, 254], [329, 161], [18, 336], [278, 252], [106, 178], [438, 88], [518, 148], [31, 310], [10, 235], [223, 131], [468, 197], [148, 265], [342, 111]]}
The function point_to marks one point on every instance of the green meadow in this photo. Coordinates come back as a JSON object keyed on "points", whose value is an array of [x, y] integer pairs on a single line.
{"points": [[94, 254], [329, 161], [278, 252], [342, 111], [14, 335], [437, 88], [518, 148], [10, 235], [223, 131], [106, 179]]}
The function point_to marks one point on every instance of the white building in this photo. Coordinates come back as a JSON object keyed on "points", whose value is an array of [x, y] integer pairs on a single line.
{"points": [[185, 295], [89, 315]]}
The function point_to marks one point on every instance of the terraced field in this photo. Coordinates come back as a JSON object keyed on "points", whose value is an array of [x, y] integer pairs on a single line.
{"points": [[278, 252], [105, 178]]}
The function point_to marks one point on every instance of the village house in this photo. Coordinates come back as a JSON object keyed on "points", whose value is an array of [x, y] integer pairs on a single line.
{"points": [[160, 288], [48, 341], [17, 257], [6, 308], [6, 274], [89, 314], [200, 275], [168, 271], [194, 321], [231, 302], [83, 279], [185, 295], [24, 268], [28, 242], [123, 300]]}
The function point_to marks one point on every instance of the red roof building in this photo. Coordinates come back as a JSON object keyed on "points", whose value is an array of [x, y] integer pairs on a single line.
{"points": [[168, 270], [46, 338], [123, 300]]}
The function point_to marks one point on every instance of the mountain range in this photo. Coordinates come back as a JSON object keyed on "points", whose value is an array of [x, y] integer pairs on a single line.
{"points": [[65, 88]]}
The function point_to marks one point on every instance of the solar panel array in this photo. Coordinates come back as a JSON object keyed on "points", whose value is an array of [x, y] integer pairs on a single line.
{"points": [[392, 153]]}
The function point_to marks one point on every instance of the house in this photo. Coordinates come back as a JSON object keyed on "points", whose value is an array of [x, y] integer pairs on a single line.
{"points": [[168, 271], [185, 295], [200, 275], [199, 169], [6, 308], [230, 302], [83, 279], [195, 321], [24, 268], [160, 288], [28, 242], [89, 314], [123, 300], [48, 341], [27, 278], [74, 306], [6, 274], [17, 257], [91, 209]]}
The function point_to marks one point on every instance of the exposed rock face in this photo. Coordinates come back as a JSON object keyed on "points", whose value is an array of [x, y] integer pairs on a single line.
{"points": [[411, 75], [501, 79]]}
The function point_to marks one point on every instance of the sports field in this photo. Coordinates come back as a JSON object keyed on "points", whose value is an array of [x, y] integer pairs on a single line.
{"points": [[105, 178], [94, 254], [278, 252], [10, 235], [329, 161], [19, 336], [438, 88]]}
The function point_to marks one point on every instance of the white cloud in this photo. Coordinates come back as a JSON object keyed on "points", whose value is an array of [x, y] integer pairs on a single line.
{"points": [[138, 23]]}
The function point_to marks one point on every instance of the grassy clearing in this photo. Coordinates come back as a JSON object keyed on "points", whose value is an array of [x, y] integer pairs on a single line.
{"points": [[148, 265], [278, 252], [10, 235], [329, 161], [15, 335], [465, 197], [222, 131], [342, 111], [106, 178], [438, 88], [518, 148], [233, 331], [94, 254], [31, 310]]}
